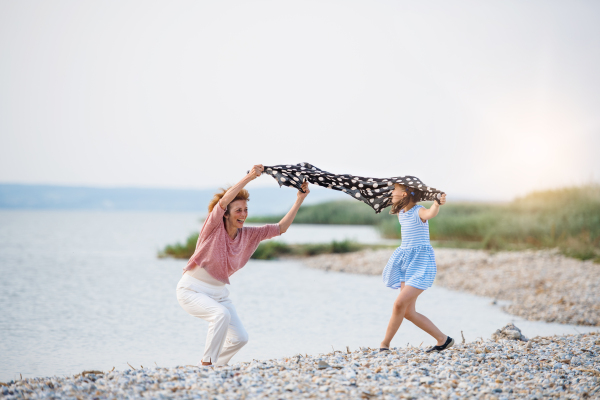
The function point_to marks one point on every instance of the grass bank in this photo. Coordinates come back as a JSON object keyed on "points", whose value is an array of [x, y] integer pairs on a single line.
{"points": [[270, 249], [567, 218]]}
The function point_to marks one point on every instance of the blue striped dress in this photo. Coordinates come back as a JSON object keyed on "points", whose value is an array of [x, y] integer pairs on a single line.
{"points": [[414, 261]]}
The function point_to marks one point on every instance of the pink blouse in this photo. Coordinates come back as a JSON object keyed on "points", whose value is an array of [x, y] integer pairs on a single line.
{"points": [[221, 255]]}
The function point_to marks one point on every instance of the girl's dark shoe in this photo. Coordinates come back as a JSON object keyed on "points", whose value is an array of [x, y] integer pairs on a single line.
{"points": [[449, 343], [383, 349]]}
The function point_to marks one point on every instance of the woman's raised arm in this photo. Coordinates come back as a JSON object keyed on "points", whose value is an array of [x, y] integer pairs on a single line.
{"points": [[286, 221], [254, 173]]}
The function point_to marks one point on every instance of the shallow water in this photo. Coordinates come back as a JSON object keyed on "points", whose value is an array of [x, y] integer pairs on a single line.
{"points": [[84, 290]]}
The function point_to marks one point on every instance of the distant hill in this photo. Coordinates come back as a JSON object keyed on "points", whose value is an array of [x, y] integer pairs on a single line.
{"points": [[263, 201]]}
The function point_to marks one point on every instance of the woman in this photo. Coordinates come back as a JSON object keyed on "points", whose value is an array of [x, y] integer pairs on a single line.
{"points": [[224, 246]]}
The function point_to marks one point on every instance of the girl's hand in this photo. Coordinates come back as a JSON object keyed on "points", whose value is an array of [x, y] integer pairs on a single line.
{"points": [[427, 214], [256, 171], [302, 196]]}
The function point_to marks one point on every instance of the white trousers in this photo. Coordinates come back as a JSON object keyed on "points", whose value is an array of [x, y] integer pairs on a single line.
{"points": [[226, 334]]}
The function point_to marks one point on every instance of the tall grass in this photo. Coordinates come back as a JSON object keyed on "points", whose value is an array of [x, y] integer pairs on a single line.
{"points": [[268, 250], [273, 249], [567, 218], [180, 250]]}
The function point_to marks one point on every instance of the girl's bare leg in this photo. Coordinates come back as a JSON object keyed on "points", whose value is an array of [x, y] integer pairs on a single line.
{"points": [[408, 295], [424, 323]]}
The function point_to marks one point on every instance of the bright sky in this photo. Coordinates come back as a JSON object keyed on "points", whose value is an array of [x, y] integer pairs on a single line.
{"points": [[484, 100]]}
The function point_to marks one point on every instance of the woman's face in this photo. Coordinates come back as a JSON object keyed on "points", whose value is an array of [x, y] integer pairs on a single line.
{"points": [[398, 193], [238, 212]]}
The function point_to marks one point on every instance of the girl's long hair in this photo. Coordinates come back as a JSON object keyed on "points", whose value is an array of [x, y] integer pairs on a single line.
{"points": [[416, 197]]}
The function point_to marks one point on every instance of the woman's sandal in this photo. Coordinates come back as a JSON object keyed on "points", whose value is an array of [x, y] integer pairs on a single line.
{"points": [[449, 343]]}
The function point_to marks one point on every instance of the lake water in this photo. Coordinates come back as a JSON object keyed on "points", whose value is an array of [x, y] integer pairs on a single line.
{"points": [[85, 290]]}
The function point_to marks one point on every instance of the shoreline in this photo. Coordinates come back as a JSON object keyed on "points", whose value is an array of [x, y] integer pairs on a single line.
{"points": [[557, 367], [540, 285]]}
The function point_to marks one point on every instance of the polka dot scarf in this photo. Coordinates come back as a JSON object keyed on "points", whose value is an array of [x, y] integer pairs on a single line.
{"points": [[377, 193]]}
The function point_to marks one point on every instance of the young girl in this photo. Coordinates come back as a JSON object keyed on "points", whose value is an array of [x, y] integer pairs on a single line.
{"points": [[412, 266]]}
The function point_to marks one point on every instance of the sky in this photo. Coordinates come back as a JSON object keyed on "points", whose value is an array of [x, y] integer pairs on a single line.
{"points": [[484, 100]]}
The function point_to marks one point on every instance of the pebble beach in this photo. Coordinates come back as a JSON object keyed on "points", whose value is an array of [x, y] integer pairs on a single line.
{"points": [[506, 366], [539, 285]]}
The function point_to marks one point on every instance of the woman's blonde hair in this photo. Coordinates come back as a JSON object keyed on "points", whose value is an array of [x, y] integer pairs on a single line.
{"points": [[242, 195], [414, 195]]}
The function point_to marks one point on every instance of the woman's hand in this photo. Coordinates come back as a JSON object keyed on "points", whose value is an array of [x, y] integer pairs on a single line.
{"points": [[302, 196], [286, 221], [256, 171]]}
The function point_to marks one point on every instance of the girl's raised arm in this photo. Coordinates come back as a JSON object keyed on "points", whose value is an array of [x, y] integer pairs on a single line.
{"points": [[254, 173], [426, 214]]}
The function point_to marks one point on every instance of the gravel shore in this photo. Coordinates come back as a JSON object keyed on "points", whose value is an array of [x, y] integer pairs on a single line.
{"points": [[540, 285], [548, 367]]}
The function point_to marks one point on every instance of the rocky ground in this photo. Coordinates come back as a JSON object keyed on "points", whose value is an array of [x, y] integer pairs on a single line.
{"points": [[500, 368], [540, 285]]}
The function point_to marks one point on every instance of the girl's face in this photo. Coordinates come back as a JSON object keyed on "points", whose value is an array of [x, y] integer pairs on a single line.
{"points": [[238, 212], [398, 193]]}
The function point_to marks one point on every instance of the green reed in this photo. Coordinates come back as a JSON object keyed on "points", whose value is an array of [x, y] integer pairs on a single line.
{"points": [[270, 249], [568, 219]]}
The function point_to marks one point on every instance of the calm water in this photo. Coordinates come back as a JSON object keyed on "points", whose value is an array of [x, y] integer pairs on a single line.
{"points": [[84, 290]]}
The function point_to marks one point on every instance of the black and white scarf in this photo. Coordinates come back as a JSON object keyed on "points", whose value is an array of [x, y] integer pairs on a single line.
{"points": [[375, 192]]}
